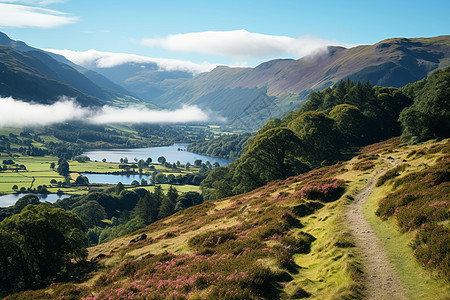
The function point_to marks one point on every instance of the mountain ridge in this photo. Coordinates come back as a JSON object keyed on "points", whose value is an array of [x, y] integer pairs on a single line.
{"points": [[391, 62], [56, 67]]}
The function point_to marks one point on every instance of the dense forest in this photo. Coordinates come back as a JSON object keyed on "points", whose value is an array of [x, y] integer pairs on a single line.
{"points": [[226, 146]]}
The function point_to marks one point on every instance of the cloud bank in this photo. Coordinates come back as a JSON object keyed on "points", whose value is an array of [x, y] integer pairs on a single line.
{"points": [[100, 59], [239, 43], [17, 113], [14, 15]]}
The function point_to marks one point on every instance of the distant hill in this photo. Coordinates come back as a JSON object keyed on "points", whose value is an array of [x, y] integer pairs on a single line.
{"points": [[24, 76], [58, 68], [146, 80], [230, 91]]}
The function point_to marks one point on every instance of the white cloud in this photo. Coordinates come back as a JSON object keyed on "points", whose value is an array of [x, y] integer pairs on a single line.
{"points": [[13, 15], [35, 2], [101, 59], [186, 114], [20, 113], [239, 43], [17, 113]]}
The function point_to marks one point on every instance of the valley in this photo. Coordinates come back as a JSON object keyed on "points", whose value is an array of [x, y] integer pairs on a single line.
{"points": [[130, 177]]}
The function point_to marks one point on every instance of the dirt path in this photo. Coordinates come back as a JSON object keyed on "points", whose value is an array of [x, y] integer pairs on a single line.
{"points": [[381, 280]]}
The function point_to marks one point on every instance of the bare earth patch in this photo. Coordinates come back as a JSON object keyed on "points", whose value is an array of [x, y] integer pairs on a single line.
{"points": [[381, 280]]}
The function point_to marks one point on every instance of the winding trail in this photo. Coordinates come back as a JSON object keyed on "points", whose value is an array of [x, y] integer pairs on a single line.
{"points": [[381, 280]]}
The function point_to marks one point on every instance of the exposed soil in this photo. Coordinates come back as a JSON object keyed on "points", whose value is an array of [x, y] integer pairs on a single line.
{"points": [[380, 280]]}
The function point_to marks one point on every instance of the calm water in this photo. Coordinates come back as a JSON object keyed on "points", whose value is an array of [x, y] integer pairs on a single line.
{"points": [[171, 154], [114, 179], [8, 200]]}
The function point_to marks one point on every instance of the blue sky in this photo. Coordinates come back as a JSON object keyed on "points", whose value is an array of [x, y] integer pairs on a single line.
{"points": [[218, 32]]}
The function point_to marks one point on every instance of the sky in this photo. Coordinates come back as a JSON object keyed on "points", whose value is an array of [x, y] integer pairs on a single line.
{"points": [[199, 35]]}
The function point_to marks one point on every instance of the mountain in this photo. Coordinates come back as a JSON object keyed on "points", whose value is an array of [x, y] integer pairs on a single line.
{"points": [[24, 76], [146, 80], [286, 83], [58, 68]]}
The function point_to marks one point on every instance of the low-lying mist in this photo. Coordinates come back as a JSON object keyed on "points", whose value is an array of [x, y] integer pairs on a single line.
{"points": [[17, 113]]}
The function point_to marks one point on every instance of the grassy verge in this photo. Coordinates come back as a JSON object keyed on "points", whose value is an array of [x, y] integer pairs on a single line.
{"points": [[419, 283]]}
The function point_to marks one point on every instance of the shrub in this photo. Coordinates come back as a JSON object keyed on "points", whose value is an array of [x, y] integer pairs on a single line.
{"points": [[364, 165], [391, 174], [306, 208], [327, 190], [432, 248]]}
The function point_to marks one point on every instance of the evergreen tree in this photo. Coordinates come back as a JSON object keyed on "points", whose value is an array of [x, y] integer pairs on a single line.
{"points": [[168, 203]]}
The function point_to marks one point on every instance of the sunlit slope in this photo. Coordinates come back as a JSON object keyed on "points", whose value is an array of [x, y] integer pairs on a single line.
{"points": [[286, 239]]}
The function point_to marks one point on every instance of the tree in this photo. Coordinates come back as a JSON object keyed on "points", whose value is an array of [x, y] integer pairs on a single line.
{"points": [[141, 164], [149, 160], [217, 184], [269, 156], [104, 160], [82, 180], [15, 187], [319, 139], [170, 178], [52, 165], [429, 116], [91, 213], [36, 243], [188, 199], [352, 124], [119, 188], [24, 201], [158, 196], [160, 178], [168, 203], [145, 207], [63, 168], [198, 163], [135, 183], [144, 182], [162, 160]]}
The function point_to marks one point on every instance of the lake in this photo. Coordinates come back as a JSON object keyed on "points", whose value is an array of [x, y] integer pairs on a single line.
{"points": [[171, 153], [114, 179], [11, 199]]}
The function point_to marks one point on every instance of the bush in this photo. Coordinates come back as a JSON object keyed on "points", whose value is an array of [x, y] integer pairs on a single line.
{"points": [[432, 248], [327, 190], [391, 174]]}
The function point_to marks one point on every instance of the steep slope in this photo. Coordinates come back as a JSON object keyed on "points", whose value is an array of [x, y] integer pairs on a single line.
{"points": [[288, 239], [25, 77], [392, 62], [60, 69]]}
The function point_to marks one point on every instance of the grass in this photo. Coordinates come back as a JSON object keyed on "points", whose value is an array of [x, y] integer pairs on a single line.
{"points": [[37, 167], [331, 270], [419, 283]]}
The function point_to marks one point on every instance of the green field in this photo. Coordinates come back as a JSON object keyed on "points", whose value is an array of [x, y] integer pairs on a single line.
{"points": [[37, 168]]}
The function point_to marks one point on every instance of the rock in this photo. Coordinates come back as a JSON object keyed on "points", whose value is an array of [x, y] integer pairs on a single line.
{"points": [[98, 257], [139, 238]]}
